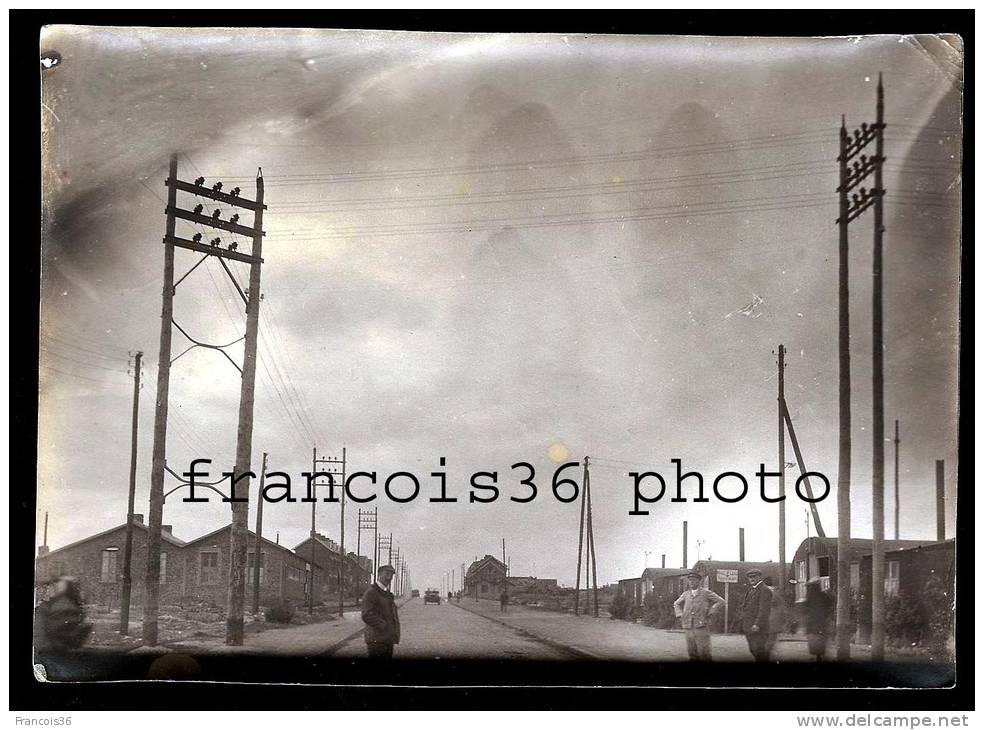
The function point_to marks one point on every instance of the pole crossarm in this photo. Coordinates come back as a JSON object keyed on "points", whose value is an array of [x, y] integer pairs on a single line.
{"points": [[216, 195], [211, 222], [212, 250]]}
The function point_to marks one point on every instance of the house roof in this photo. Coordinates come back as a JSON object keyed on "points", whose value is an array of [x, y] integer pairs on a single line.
{"points": [[944, 545], [165, 536], [858, 546], [657, 573], [481, 563], [250, 533]]}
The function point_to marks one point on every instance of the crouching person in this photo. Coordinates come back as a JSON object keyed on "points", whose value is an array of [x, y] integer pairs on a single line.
{"points": [[380, 615]]}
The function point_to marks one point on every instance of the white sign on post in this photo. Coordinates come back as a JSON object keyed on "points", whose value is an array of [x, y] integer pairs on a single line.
{"points": [[727, 575]]}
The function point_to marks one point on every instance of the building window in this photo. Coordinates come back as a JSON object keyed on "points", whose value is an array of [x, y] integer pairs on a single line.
{"points": [[209, 574], [163, 568], [250, 562], [110, 558], [892, 578], [823, 566]]}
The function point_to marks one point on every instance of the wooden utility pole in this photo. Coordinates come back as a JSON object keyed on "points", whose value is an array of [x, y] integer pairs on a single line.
{"points": [[591, 542], [897, 508], [940, 502], [251, 297], [878, 399], [152, 582], [580, 541], [314, 503], [803, 471], [843, 618], [780, 406], [244, 439], [684, 545], [861, 169], [128, 540], [341, 540], [258, 552]]}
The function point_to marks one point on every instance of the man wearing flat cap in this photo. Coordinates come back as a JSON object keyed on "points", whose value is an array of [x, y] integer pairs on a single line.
{"points": [[380, 616], [694, 608], [755, 610]]}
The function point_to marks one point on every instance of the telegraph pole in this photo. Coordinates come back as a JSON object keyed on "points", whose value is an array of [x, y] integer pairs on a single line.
{"points": [[156, 511], [257, 553], [580, 542], [314, 503], [341, 565], [591, 543], [861, 168], [367, 521], [897, 508], [878, 399], [782, 469], [251, 298], [336, 468], [244, 439], [128, 542]]}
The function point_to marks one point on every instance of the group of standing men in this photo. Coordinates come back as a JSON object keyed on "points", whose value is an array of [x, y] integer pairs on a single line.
{"points": [[761, 616]]}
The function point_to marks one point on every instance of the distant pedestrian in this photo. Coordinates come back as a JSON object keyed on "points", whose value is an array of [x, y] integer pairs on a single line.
{"points": [[694, 608], [756, 609], [777, 616], [380, 615], [503, 600], [817, 607]]}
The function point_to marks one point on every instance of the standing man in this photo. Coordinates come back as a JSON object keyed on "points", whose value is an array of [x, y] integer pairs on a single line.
{"points": [[380, 616], [755, 613], [503, 600], [694, 608]]}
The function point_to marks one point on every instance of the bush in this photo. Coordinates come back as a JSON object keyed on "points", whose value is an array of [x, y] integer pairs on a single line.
{"points": [[280, 613], [938, 611], [620, 608], [903, 622]]}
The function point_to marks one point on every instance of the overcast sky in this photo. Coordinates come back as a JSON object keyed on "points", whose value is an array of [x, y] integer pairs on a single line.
{"points": [[498, 249]]}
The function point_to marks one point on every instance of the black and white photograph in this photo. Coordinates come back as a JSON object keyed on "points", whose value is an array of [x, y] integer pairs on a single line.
{"points": [[593, 358]]}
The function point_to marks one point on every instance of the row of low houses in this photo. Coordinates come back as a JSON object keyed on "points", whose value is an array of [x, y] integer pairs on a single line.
{"points": [[909, 564], [198, 571]]}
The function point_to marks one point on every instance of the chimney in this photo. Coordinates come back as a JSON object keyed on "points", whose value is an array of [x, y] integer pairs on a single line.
{"points": [[664, 561], [940, 502], [741, 544], [42, 550], [684, 544], [166, 528], [137, 518]]}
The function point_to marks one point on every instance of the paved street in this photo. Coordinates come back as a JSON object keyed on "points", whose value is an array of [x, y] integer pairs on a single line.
{"points": [[602, 638], [447, 631]]}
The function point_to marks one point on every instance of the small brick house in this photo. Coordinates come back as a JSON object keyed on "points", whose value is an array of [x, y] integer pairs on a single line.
{"points": [[97, 562], [485, 578], [328, 554], [283, 574]]}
